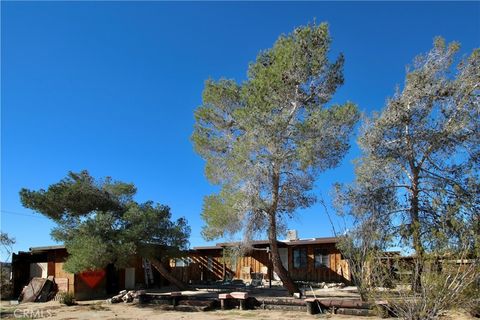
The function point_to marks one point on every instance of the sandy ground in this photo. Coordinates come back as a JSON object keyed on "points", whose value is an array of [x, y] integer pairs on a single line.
{"points": [[99, 309]]}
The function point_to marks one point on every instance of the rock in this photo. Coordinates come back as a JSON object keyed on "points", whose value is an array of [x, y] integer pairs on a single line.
{"points": [[129, 296], [126, 296], [118, 297], [138, 293]]}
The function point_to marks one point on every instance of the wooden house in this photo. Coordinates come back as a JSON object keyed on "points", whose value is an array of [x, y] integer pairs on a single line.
{"points": [[311, 260]]}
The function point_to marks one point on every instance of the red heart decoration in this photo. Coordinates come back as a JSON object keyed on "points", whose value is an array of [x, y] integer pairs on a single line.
{"points": [[92, 278]]}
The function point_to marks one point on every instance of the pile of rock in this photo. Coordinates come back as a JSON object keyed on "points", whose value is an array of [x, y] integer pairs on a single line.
{"points": [[126, 296], [334, 285], [321, 285]]}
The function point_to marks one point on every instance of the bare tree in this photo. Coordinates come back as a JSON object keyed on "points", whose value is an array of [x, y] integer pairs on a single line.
{"points": [[421, 154], [7, 243], [418, 180]]}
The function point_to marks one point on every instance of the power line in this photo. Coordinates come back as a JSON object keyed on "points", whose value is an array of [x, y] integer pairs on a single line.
{"points": [[24, 214]]}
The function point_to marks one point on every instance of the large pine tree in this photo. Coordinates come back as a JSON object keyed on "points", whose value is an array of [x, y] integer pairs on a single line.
{"points": [[266, 139]]}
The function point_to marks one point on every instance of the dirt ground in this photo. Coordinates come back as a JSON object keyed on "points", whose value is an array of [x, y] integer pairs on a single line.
{"points": [[99, 309]]}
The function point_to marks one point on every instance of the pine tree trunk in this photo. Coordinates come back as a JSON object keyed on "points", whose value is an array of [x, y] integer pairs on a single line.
{"points": [[272, 238], [416, 235], [276, 261], [167, 275]]}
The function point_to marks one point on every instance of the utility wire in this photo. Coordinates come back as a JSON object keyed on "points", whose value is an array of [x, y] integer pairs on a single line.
{"points": [[24, 214]]}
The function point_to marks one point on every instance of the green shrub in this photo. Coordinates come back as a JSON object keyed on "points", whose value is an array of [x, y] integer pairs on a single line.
{"points": [[67, 298]]}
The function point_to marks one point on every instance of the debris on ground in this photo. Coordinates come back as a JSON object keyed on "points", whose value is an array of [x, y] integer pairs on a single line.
{"points": [[321, 285], [39, 290], [126, 296]]}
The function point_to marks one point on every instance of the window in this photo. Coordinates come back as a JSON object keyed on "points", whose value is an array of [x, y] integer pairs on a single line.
{"points": [[210, 263], [300, 258], [182, 262], [321, 259]]}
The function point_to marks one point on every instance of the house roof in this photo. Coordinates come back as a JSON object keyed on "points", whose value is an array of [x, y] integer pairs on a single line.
{"points": [[207, 248], [221, 245], [46, 248], [265, 243], [328, 240]]}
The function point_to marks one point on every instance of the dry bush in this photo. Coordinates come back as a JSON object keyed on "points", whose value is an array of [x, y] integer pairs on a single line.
{"points": [[67, 298], [445, 284]]}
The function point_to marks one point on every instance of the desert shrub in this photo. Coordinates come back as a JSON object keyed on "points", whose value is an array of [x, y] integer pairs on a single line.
{"points": [[472, 297], [6, 290], [452, 285], [474, 309], [67, 298], [6, 285]]}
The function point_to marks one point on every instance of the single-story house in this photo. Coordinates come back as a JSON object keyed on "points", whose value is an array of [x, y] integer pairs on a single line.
{"points": [[312, 260]]}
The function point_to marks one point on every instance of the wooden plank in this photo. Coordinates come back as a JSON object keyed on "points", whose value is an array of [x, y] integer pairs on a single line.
{"points": [[62, 284], [60, 273], [310, 260], [51, 268]]}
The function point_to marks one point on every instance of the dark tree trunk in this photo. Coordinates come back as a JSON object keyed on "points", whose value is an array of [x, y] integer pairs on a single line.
{"points": [[416, 234], [276, 261], [272, 238], [167, 275]]}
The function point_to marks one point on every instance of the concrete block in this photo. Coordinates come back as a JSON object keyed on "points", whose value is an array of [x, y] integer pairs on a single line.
{"points": [[222, 296], [239, 295]]}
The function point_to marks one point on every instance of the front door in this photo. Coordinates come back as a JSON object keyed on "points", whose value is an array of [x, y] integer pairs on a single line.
{"points": [[129, 278], [283, 252], [284, 257]]}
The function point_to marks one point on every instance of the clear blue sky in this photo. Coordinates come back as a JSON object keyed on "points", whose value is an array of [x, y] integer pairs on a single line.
{"points": [[111, 87]]}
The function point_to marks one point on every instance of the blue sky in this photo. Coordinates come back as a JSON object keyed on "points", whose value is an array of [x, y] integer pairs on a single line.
{"points": [[111, 87]]}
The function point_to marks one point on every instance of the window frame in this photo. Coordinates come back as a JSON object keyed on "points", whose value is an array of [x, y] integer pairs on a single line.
{"points": [[182, 262], [324, 258], [303, 257]]}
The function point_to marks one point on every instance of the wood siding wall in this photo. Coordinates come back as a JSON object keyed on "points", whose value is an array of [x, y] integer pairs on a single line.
{"points": [[200, 269], [257, 261], [205, 266], [55, 260], [60, 273], [209, 266], [337, 271]]}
